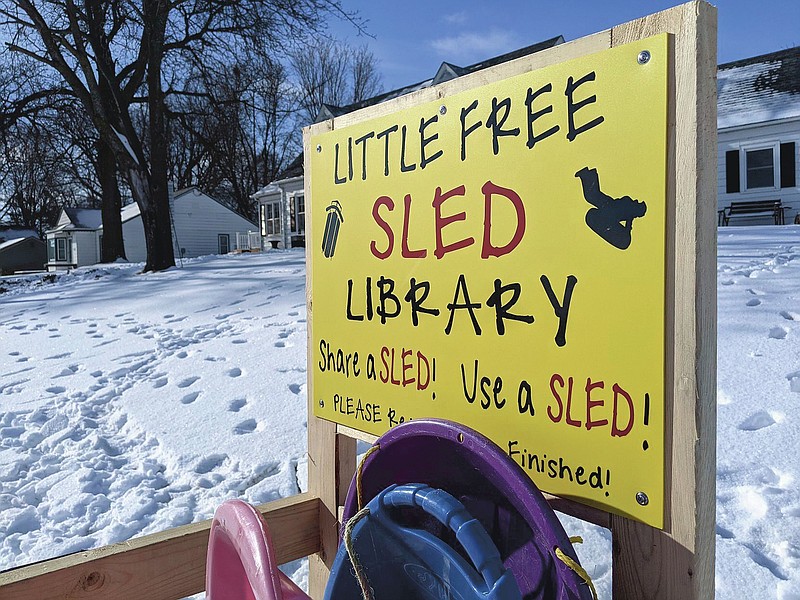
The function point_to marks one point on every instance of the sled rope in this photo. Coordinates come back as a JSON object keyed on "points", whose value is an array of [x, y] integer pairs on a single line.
{"points": [[366, 590], [578, 570], [359, 472]]}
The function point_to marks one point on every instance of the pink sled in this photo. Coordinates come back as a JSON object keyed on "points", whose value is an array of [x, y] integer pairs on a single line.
{"points": [[240, 564]]}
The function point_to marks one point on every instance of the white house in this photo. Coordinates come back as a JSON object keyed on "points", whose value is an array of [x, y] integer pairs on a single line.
{"points": [[758, 121], [282, 208], [201, 226]]}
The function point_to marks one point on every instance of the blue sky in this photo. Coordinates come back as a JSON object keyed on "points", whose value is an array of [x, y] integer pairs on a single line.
{"points": [[413, 37]]}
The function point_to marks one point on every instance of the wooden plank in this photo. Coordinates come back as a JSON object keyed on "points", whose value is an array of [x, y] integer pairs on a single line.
{"points": [[579, 511], [331, 458], [356, 434], [678, 563], [168, 565]]}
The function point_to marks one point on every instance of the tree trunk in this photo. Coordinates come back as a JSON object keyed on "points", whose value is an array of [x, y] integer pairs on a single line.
{"points": [[156, 221], [112, 246], [160, 253]]}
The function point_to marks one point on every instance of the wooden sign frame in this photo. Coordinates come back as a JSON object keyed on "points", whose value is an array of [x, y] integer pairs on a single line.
{"points": [[676, 563]]}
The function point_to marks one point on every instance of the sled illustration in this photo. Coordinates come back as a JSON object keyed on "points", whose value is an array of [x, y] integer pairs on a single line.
{"points": [[240, 564], [492, 488]]}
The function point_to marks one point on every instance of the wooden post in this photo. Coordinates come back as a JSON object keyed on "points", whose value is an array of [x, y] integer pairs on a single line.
{"points": [[678, 562], [331, 457]]}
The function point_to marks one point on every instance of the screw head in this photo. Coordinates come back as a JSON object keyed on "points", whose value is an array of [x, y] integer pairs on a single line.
{"points": [[322, 403], [644, 57], [642, 498], [319, 148], [442, 109]]}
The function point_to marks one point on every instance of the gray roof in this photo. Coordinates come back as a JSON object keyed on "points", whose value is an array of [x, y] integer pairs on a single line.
{"points": [[14, 242], [84, 218], [13, 232], [759, 89]]}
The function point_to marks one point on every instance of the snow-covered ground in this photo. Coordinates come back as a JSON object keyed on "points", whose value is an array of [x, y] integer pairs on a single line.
{"points": [[134, 403]]}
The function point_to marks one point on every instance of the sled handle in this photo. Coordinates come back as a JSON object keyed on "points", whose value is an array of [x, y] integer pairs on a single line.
{"points": [[469, 532]]}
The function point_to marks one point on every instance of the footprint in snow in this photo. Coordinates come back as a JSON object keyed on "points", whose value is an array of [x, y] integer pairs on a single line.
{"points": [[753, 302], [295, 388], [161, 382], [188, 382], [725, 534], [778, 333], [235, 372], [790, 316], [237, 404], [209, 463], [757, 421], [794, 381], [56, 389], [245, 427], [189, 398]]}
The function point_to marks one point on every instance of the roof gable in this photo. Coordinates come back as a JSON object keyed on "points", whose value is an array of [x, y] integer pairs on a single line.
{"points": [[83, 218]]}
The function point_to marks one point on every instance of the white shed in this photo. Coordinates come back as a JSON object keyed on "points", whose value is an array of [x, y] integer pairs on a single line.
{"points": [[201, 226]]}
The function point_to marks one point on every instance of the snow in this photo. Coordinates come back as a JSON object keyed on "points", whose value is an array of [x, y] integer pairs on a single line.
{"points": [[131, 403]]}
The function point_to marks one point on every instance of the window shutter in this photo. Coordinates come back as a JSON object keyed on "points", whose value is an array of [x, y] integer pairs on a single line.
{"points": [[732, 171], [788, 165]]}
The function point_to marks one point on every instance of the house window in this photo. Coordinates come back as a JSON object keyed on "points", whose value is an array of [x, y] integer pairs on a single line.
{"points": [[763, 167], [51, 250], [62, 249], [224, 242], [270, 218], [297, 213], [759, 168]]}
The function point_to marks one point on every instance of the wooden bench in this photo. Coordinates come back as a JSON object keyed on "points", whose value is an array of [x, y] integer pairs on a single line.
{"points": [[773, 208]]}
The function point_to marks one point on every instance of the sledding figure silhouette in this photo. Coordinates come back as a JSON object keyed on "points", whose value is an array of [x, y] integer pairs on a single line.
{"points": [[612, 219]]}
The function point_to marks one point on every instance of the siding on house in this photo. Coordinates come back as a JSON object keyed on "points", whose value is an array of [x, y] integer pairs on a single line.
{"points": [[133, 234], [758, 136], [199, 220], [22, 254]]}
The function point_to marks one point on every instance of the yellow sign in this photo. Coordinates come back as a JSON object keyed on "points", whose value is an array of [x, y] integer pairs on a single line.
{"points": [[497, 258]]}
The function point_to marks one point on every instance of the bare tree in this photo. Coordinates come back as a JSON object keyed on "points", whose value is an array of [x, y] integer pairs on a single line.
{"points": [[366, 79], [35, 182], [235, 130], [113, 53], [330, 72]]}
